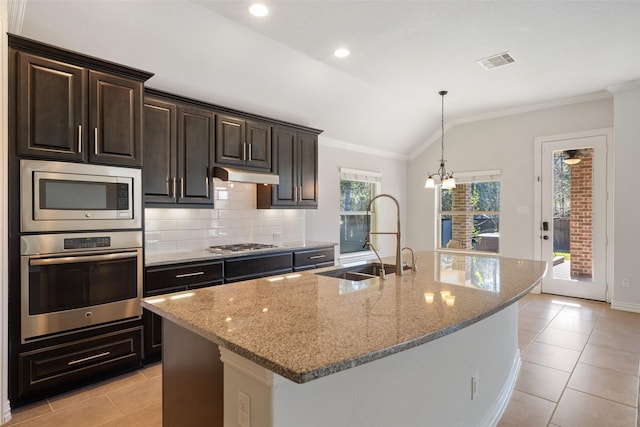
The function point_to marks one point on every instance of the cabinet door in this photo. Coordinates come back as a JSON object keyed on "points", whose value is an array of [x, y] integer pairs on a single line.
{"points": [[51, 112], [152, 335], [284, 158], [195, 155], [160, 149], [307, 160], [258, 137], [115, 119], [230, 141]]}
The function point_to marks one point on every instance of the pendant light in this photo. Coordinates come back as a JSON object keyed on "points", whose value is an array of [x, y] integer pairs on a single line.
{"points": [[446, 178]]}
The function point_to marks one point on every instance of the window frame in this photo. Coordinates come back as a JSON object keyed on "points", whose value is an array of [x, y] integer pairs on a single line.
{"points": [[466, 178], [375, 178]]}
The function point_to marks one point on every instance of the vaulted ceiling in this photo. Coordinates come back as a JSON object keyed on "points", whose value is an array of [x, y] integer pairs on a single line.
{"points": [[384, 96]]}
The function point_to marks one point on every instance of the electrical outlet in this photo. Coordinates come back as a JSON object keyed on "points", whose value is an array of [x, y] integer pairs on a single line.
{"points": [[244, 410], [626, 282], [474, 387]]}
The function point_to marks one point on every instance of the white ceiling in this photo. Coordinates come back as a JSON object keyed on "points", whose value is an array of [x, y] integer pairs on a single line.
{"points": [[383, 97]]}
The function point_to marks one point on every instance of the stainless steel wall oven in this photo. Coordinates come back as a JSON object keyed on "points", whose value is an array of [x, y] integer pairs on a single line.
{"points": [[78, 280]]}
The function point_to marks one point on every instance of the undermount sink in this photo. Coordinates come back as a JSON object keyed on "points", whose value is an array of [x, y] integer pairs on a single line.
{"points": [[359, 272]]}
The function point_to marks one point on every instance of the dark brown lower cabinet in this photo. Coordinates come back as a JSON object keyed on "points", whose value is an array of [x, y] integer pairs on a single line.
{"points": [[236, 270], [313, 258], [59, 366], [192, 374]]}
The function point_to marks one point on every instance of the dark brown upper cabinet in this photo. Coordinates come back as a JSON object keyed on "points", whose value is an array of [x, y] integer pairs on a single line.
{"points": [[243, 143], [69, 106], [160, 151], [295, 160], [178, 152]]}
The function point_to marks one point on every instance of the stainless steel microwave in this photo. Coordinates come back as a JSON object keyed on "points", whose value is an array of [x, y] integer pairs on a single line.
{"points": [[63, 196]]}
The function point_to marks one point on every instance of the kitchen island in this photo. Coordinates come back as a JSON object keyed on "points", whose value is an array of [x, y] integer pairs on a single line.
{"points": [[304, 349]]}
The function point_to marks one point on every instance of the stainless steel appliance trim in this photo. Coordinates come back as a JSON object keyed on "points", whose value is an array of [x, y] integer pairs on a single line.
{"points": [[72, 259], [34, 327], [240, 175], [34, 220], [48, 244]]}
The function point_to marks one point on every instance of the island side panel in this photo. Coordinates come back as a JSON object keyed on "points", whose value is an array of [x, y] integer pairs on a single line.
{"points": [[192, 379], [429, 385]]}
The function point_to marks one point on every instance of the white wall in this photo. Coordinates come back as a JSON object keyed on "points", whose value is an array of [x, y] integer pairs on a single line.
{"points": [[506, 144], [626, 203], [323, 224]]}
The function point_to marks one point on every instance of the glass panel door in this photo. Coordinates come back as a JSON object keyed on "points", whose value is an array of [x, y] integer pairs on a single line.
{"points": [[574, 217]]}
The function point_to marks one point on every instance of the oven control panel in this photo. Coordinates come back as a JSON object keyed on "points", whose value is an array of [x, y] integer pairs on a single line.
{"points": [[87, 242]]}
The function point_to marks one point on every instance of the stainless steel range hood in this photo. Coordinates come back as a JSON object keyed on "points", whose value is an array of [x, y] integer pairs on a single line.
{"points": [[239, 175]]}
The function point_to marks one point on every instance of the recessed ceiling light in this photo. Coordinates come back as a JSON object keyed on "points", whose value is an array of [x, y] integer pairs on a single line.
{"points": [[258, 9], [342, 52]]}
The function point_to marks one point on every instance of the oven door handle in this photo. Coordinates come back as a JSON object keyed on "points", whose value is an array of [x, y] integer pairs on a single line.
{"points": [[83, 258]]}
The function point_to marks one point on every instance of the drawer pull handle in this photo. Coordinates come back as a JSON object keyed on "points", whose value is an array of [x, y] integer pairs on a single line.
{"points": [[79, 139], [95, 356], [197, 273], [317, 256]]}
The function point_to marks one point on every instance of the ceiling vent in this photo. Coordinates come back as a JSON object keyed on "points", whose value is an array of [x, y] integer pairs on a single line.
{"points": [[496, 60]]}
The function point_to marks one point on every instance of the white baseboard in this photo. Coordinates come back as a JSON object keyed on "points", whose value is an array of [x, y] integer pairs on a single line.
{"points": [[625, 306], [6, 412], [492, 417]]}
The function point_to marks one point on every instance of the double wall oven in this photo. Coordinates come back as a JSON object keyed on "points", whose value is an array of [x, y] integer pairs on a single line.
{"points": [[81, 259]]}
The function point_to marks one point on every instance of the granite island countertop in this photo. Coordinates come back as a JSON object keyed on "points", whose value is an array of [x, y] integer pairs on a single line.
{"points": [[304, 326], [165, 258]]}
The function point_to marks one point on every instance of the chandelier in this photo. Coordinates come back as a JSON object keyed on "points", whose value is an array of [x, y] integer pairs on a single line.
{"points": [[446, 178]]}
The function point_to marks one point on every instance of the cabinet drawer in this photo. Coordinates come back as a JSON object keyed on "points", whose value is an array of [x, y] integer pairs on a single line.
{"points": [[313, 257], [172, 278], [253, 267], [62, 364]]}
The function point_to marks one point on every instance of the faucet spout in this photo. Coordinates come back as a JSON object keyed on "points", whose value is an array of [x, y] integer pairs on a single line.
{"points": [[396, 233], [413, 267]]}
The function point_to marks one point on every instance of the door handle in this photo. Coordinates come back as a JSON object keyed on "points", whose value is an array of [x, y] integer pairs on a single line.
{"points": [[545, 237]]}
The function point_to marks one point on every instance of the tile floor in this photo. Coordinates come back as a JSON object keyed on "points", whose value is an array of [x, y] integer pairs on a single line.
{"points": [[579, 368], [579, 365]]}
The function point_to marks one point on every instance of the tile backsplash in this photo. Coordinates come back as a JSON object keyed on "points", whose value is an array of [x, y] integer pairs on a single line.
{"points": [[234, 219]]}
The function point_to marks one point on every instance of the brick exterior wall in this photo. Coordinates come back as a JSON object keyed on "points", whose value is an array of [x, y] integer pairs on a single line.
{"points": [[462, 225], [581, 220]]}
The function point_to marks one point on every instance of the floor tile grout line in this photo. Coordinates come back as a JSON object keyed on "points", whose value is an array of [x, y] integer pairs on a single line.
{"points": [[573, 370]]}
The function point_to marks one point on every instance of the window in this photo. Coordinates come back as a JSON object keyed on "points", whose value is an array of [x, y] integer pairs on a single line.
{"points": [[469, 215], [357, 188]]}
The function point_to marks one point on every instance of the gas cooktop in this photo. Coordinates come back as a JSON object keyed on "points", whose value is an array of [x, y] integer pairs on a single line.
{"points": [[239, 247]]}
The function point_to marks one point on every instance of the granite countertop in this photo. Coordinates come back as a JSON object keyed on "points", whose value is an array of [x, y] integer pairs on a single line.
{"points": [[304, 326], [165, 258]]}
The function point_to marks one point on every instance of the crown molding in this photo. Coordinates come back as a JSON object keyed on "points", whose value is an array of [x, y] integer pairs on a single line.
{"points": [[329, 142], [624, 86], [511, 112]]}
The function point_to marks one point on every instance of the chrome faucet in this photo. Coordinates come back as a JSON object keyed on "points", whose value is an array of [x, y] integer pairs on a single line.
{"points": [[397, 232], [413, 267]]}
